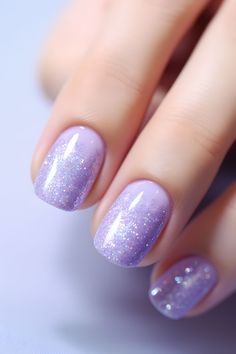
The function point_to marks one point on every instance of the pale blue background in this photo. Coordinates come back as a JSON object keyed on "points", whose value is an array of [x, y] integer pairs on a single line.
{"points": [[56, 294]]}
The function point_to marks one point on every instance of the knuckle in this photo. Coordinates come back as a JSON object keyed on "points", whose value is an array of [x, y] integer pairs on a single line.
{"points": [[207, 140], [194, 130], [111, 66]]}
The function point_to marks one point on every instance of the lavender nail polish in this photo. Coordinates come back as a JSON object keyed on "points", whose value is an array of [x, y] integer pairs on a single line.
{"points": [[184, 285], [133, 223], [70, 168]]}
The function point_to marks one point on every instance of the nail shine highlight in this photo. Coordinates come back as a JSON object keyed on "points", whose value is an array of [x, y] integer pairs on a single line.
{"points": [[133, 223], [70, 168], [183, 286]]}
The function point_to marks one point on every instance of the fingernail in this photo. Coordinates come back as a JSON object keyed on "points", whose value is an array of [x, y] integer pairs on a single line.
{"points": [[183, 286], [70, 168], [133, 223]]}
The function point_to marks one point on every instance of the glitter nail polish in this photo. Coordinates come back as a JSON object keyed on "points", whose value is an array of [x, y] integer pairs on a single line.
{"points": [[70, 168], [133, 223], [183, 286]]}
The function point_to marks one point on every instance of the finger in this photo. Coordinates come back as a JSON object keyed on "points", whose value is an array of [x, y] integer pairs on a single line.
{"points": [[180, 151], [76, 30], [72, 35], [109, 93], [190, 285]]}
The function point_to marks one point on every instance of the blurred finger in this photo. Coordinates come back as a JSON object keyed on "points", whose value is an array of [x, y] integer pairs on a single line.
{"points": [[200, 270]]}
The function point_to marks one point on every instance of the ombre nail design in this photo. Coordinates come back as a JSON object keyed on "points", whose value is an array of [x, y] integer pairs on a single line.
{"points": [[70, 168], [183, 286], [133, 223]]}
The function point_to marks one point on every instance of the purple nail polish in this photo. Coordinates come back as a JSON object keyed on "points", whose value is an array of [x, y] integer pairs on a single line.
{"points": [[184, 285], [133, 223], [70, 168]]}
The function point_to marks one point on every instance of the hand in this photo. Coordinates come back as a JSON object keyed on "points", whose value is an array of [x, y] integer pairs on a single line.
{"points": [[110, 57]]}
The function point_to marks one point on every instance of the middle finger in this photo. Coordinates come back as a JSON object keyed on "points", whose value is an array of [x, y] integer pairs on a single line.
{"points": [[180, 149]]}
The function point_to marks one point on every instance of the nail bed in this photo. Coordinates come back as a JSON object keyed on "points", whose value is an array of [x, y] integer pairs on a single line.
{"points": [[70, 168], [133, 223]]}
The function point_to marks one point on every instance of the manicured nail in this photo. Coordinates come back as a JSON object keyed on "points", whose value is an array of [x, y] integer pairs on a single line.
{"points": [[70, 168], [183, 286], [133, 223]]}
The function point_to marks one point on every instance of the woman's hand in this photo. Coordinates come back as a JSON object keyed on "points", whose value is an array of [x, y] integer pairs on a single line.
{"points": [[148, 164]]}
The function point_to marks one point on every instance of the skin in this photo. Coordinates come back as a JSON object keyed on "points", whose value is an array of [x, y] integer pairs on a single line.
{"points": [[108, 71]]}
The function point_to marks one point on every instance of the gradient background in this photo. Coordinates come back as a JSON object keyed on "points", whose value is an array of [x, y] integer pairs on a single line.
{"points": [[57, 296]]}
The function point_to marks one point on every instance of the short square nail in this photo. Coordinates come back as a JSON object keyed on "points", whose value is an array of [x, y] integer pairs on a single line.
{"points": [[70, 168], [183, 286], [133, 223]]}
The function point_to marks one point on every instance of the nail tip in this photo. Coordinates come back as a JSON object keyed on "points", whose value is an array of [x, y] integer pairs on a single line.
{"points": [[57, 206], [117, 261], [168, 315]]}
